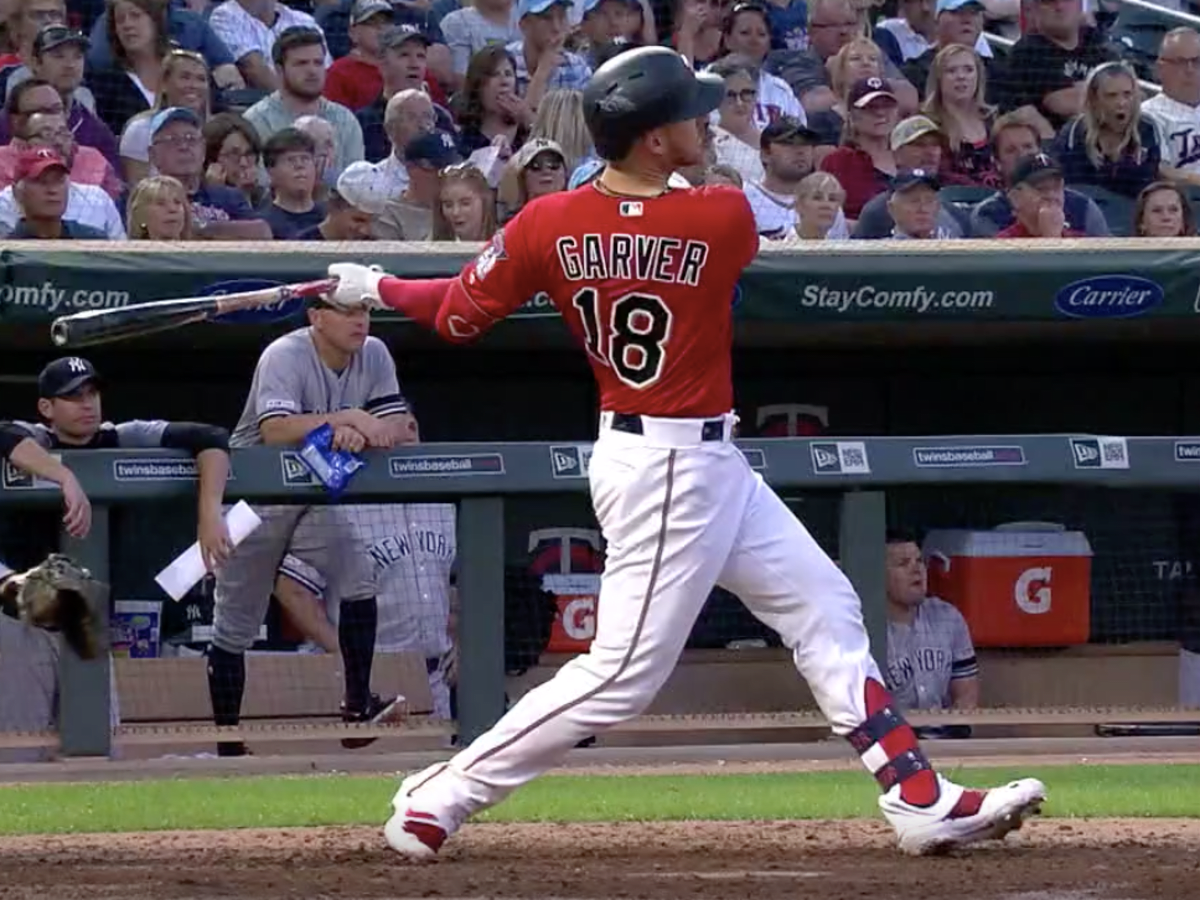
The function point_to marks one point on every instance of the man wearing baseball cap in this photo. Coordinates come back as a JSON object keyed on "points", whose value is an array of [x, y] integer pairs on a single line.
{"points": [[354, 79], [957, 22], [354, 205], [544, 27], [786, 151], [410, 218], [605, 21], [41, 186], [854, 164], [913, 204], [917, 143], [1035, 191]]}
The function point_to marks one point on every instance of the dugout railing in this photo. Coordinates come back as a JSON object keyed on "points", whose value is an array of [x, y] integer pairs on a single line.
{"points": [[480, 477]]}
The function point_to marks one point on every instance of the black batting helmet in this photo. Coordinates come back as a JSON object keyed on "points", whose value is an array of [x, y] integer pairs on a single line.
{"points": [[643, 89]]}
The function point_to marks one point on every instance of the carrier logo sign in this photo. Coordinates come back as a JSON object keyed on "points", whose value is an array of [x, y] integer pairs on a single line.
{"points": [[1100, 453], [1187, 451], [1108, 297], [295, 472], [15, 479], [154, 469], [967, 457], [570, 460], [840, 458], [436, 466]]}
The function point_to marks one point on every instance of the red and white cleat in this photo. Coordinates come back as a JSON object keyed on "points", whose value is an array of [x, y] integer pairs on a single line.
{"points": [[961, 816], [417, 835]]}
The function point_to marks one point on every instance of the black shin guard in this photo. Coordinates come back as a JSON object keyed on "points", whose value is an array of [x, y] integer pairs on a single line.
{"points": [[226, 684], [357, 624]]}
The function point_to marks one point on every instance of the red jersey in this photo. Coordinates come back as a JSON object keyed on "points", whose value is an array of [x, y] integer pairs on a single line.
{"points": [[1017, 230], [646, 285]]}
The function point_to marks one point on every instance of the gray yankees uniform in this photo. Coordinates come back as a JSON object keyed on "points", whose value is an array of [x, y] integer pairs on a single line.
{"points": [[412, 549], [290, 379], [924, 657]]}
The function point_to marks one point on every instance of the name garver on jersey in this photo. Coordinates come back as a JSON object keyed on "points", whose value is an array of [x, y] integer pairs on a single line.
{"points": [[632, 257]]}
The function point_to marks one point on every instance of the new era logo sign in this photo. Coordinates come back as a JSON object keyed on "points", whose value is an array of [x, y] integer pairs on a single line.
{"points": [[1100, 453], [16, 479], [840, 458], [570, 461], [295, 472]]}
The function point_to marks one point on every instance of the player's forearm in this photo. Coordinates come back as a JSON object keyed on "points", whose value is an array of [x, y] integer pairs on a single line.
{"points": [[212, 471], [288, 431], [31, 457], [964, 693], [440, 304]]}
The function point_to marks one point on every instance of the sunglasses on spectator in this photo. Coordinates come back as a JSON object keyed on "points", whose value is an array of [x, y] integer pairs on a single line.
{"points": [[179, 140], [237, 155], [549, 164], [749, 95]]}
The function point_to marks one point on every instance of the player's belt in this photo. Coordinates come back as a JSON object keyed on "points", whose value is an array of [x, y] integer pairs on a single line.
{"points": [[712, 430]]}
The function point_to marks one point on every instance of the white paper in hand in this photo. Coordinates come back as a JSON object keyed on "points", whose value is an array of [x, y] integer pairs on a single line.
{"points": [[186, 571]]}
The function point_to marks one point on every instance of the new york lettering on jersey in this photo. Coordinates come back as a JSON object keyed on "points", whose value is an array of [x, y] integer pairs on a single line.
{"points": [[645, 284]]}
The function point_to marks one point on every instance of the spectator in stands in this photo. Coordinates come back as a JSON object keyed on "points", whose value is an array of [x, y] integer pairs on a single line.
{"points": [[917, 145], [86, 164], [249, 29], [819, 215], [1111, 144], [1014, 138], [560, 120], [232, 152], [23, 22], [158, 210], [1047, 68], [288, 156], [409, 115], [184, 83], [325, 154], [931, 660], [537, 169], [489, 106], [1177, 108], [787, 159], [356, 202], [607, 20], [354, 80], [722, 174], [40, 188], [187, 29], [789, 24], [481, 25], [299, 56], [957, 88], [697, 30], [913, 205], [541, 62], [1036, 196], [737, 137], [138, 32], [87, 205], [859, 59], [177, 148], [403, 65], [409, 217], [958, 22], [864, 164], [1163, 211], [59, 71], [832, 24], [748, 35], [466, 207], [68, 73]]}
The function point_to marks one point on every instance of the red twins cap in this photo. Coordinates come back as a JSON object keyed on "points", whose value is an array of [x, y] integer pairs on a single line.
{"points": [[37, 160], [867, 91]]}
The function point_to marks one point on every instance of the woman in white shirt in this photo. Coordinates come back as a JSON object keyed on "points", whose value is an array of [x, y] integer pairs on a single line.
{"points": [[185, 84], [736, 134], [819, 199], [748, 35]]}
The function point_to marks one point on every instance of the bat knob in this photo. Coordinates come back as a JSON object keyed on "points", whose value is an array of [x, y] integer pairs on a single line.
{"points": [[60, 333]]}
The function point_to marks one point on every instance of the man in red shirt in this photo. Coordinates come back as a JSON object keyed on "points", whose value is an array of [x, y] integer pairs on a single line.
{"points": [[644, 276], [1037, 193], [354, 80]]}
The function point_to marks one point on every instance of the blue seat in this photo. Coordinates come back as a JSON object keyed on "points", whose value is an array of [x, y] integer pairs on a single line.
{"points": [[1118, 209]]}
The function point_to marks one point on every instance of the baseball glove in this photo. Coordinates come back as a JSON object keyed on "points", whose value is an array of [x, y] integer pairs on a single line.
{"points": [[57, 595]]}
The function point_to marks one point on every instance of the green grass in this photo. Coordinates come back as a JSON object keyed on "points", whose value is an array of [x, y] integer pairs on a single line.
{"points": [[246, 802]]}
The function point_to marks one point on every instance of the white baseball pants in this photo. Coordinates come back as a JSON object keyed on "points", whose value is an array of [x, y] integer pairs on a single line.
{"points": [[679, 515]]}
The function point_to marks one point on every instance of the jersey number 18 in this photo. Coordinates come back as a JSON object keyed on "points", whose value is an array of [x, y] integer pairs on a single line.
{"points": [[634, 342]]}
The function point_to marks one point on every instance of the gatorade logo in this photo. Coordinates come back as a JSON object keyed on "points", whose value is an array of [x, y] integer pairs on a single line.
{"points": [[579, 619], [1032, 591]]}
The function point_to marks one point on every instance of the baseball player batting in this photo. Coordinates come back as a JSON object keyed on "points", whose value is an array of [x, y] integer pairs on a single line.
{"points": [[329, 373], [644, 276]]}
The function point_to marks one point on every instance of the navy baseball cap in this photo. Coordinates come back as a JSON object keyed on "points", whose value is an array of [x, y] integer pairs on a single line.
{"points": [[907, 178], [1034, 168], [65, 376], [399, 35], [437, 148], [57, 35], [867, 90], [787, 130]]}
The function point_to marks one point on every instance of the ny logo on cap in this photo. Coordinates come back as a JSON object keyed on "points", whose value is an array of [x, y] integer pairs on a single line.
{"points": [[918, 173], [447, 141], [75, 364]]}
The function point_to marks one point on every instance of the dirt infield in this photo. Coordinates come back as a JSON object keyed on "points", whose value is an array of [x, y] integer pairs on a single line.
{"points": [[1049, 860]]}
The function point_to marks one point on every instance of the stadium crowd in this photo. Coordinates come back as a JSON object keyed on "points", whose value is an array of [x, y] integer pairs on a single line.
{"points": [[438, 120]]}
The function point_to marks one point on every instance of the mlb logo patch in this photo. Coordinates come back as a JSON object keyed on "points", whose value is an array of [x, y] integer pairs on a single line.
{"points": [[295, 472], [631, 209]]}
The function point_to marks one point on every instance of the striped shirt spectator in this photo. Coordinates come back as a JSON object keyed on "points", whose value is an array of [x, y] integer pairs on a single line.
{"points": [[250, 39], [471, 29]]}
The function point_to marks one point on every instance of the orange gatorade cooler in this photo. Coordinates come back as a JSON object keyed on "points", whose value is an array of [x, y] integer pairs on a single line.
{"points": [[1025, 584]]}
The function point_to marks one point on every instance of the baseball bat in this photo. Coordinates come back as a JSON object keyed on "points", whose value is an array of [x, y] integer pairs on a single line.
{"points": [[101, 326]]}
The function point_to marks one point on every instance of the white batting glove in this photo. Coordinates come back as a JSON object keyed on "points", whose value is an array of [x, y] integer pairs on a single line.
{"points": [[357, 285]]}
